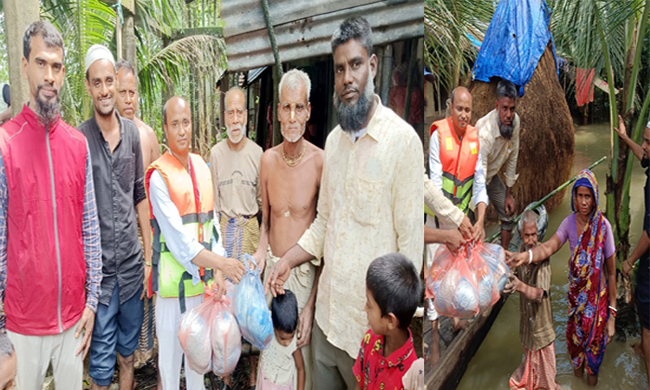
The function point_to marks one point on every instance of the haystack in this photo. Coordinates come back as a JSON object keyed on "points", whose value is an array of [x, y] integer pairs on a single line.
{"points": [[547, 142]]}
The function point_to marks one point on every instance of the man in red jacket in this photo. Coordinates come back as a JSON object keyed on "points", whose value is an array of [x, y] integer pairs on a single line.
{"points": [[50, 253]]}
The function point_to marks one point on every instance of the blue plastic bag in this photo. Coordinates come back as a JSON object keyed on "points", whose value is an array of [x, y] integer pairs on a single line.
{"points": [[251, 309]]}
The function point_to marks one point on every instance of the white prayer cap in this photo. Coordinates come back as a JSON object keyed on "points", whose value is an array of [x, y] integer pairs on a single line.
{"points": [[98, 52]]}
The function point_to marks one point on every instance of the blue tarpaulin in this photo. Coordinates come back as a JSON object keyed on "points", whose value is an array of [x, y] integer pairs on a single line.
{"points": [[514, 42]]}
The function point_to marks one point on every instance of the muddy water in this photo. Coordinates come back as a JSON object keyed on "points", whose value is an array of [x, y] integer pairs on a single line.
{"points": [[501, 352]]}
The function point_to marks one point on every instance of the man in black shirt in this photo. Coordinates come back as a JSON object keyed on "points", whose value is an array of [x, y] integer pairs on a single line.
{"points": [[118, 175]]}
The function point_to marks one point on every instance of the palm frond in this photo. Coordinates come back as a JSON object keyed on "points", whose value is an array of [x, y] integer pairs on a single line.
{"points": [[168, 66], [448, 24]]}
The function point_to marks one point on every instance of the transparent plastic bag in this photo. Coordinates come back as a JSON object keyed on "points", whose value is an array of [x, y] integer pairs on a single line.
{"points": [[194, 335], [225, 338], [468, 282], [495, 257], [442, 261], [454, 284], [209, 334], [250, 307], [488, 293]]}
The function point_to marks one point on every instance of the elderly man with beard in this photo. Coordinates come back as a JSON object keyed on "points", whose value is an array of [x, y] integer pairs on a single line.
{"points": [[369, 204], [290, 177], [235, 169], [114, 144], [50, 254], [536, 333], [498, 134]]}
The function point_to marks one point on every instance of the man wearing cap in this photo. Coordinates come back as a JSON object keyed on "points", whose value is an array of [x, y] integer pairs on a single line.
{"points": [[118, 176], [50, 255]]}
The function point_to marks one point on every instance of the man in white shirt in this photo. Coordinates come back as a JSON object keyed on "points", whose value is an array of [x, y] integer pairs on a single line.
{"points": [[498, 134], [175, 182]]}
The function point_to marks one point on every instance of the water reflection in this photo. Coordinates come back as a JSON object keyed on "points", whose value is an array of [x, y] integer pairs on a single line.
{"points": [[501, 352]]}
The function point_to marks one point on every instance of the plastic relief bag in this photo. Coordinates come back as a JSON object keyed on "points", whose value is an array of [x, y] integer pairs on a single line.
{"points": [[225, 338], [468, 282], [251, 309], [194, 335], [210, 336]]}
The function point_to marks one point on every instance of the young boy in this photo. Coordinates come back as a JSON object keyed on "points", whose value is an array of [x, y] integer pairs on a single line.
{"points": [[393, 291], [281, 366], [7, 363]]}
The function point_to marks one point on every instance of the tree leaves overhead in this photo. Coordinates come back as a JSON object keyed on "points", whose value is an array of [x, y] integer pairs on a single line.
{"points": [[168, 66], [449, 52]]}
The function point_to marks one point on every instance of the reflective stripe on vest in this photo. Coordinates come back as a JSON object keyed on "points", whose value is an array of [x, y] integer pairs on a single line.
{"points": [[169, 278], [458, 160]]}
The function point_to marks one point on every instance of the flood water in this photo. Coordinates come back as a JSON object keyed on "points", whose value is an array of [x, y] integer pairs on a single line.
{"points": [[501, 352]]}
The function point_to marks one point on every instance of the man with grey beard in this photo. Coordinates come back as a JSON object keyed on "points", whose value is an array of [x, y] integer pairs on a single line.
{"points": [[369, 204], [498, 134], [235, 169]]}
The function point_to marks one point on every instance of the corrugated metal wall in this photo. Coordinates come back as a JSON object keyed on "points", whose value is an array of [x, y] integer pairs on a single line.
{"points": [[304, 28]]}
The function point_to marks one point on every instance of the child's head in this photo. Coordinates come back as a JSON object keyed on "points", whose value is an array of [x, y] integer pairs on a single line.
{"points": [[284, 312], [393, 291], [7, 363]]}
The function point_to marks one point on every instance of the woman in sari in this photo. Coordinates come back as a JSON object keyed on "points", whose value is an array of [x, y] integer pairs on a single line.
{"points": [[592, 276]]}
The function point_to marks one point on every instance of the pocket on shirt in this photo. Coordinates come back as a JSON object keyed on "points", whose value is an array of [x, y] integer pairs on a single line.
{"points": [[125, 171], [366, 205]]}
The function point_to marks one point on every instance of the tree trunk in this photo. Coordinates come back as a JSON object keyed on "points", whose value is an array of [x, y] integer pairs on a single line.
{"points": [[128, 34], [18, 15]]}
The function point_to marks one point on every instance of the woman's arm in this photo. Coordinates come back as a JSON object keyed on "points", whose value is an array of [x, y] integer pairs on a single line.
{"points": [[540, 252]]}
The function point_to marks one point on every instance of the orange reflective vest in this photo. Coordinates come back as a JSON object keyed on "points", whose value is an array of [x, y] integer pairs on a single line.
{"points": [[458, 159], [192, 194]]}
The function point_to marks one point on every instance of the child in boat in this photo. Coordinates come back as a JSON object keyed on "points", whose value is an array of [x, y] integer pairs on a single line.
{"points": [[393, 290], [281, 366]]}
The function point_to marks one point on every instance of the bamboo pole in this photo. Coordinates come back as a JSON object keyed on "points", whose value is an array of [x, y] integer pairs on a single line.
{"points": [[277, 73], [547, 197]]}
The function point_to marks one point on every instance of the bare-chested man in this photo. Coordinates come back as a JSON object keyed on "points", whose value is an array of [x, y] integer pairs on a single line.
{"points": [[290, 178], [127, 105]]}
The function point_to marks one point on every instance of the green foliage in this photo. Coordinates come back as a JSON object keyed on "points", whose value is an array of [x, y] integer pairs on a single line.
{"points": [[4, 63], [448, 50]]}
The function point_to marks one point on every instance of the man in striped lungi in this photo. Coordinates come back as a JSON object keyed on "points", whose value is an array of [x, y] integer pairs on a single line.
{"points": [[235, 167], [536, 332]]}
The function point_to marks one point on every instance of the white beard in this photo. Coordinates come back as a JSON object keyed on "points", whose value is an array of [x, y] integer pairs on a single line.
{"points": [[296, 138], [241, 134]]}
